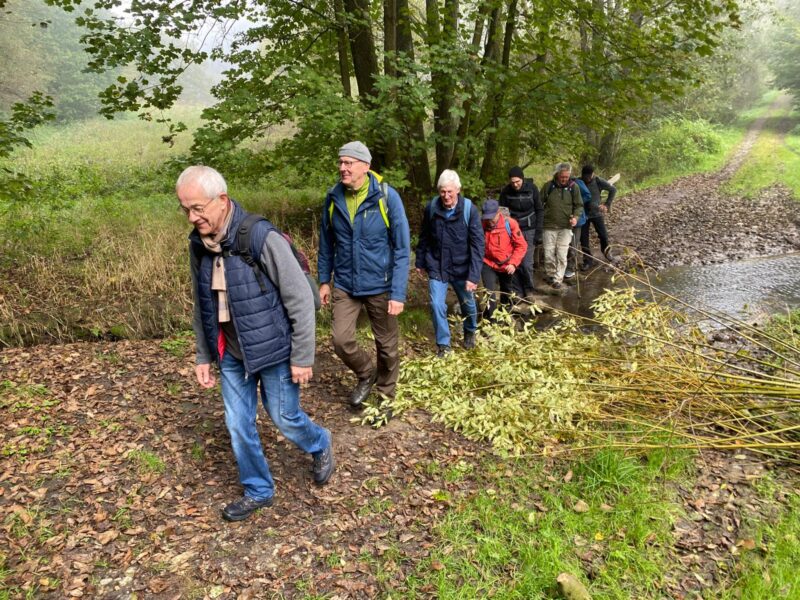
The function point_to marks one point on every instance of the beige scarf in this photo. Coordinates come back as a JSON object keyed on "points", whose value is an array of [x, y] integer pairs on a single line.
{"points": [[213, 244]]}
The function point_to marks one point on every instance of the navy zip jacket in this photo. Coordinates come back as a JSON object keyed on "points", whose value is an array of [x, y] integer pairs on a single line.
{"points": [[448, 249], [365, 257]]}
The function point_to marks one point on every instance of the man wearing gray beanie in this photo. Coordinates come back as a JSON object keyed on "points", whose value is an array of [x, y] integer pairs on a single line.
{"points": [[364, 251]]}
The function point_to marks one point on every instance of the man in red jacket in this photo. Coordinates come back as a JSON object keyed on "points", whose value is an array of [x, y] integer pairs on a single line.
{"points": [[505, 248]]}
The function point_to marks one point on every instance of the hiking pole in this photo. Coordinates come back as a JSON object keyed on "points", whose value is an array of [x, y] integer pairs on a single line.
{"points": [[577, 273]]}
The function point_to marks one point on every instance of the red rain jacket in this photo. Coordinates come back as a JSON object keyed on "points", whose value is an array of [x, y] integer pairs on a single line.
{"points": [[503, 249]]}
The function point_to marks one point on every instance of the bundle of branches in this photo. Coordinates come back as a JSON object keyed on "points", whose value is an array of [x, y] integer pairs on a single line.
{"points": [[639, 370]]}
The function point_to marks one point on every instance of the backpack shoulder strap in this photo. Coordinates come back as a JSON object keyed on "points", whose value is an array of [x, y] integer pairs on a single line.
{"points": [[242, 248], [429, 208], [383, 203], [244, 234], [329, 205], [508, 228], [467, 210]]}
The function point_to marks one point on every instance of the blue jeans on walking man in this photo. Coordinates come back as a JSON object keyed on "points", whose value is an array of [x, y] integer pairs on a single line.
{"points": [[438, 295], [281, 399]]}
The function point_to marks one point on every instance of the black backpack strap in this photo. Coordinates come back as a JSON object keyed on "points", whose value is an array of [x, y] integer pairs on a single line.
{"points": [[242, 249]]}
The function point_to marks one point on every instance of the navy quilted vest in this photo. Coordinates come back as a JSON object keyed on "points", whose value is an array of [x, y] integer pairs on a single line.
{"points": [[260, 318]]}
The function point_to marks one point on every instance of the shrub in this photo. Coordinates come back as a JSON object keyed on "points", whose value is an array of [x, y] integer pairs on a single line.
{"points": [[672, 144]]}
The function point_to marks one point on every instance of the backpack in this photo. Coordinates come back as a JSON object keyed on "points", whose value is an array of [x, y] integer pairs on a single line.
{"points": [[242, 249], [552, 185], [384, 187], [467, 209]]}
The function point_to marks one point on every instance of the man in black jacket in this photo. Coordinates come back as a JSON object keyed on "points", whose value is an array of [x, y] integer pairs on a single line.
{"points": [[597, 210], [521, 197]]}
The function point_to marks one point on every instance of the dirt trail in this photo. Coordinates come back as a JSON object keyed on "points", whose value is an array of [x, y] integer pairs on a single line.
{"points": [[84, 508], [692, 221]]}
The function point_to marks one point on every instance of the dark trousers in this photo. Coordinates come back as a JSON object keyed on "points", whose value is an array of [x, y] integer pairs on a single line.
{"points": [[491, 279], [524, 274], [600, 227], [384, 328]]}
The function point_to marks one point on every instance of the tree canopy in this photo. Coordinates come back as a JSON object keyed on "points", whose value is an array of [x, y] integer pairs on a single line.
{"points": [[477, 84]]}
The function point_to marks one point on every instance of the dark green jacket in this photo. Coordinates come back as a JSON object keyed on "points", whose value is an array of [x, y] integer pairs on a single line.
{"points": [[561, 204]]}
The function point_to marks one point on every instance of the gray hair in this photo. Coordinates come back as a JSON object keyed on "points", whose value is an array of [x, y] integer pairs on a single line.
{"points": [[562, 166], [209, 179], [448, 177]]}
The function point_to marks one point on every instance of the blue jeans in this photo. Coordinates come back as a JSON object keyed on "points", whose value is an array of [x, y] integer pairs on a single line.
{"points": [[438, 295], [281, 399]]}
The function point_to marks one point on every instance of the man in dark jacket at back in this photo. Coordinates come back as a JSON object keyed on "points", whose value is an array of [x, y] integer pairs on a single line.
{"points": [[596, 213], [364, 252], [450, 252], [254, 317], [521, 197]]}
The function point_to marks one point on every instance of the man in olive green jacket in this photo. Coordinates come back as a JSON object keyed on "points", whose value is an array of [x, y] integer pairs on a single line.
{"points": [[563, 207]]}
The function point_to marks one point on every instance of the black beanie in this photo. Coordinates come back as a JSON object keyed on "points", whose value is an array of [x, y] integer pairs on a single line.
{"points": [[587, 170], [516, 172]]}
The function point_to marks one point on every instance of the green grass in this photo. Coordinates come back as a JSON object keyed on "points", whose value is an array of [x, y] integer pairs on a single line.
{"points": [[147, 462], [770, 570], [98, 248], [775, 158], [513, 538]]}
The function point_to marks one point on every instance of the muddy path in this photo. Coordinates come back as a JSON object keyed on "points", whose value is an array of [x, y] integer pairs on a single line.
{"points": [[691, 221]]}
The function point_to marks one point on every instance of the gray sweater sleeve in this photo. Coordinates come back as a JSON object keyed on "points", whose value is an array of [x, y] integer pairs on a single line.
{"points": [[202, 354], [285, 272]]}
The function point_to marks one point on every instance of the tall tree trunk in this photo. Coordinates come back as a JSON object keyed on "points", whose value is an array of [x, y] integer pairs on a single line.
{"points": [[365, 63], [341, 47], [389, 62], [419, 170], [488, 166], [490, 52], [465, 123]]}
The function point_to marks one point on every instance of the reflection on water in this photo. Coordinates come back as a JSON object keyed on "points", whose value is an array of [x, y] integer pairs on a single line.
{"points": [[740, 289]]}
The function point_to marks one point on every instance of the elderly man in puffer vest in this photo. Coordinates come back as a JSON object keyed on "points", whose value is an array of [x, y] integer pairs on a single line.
{"points": [[254, 317]]}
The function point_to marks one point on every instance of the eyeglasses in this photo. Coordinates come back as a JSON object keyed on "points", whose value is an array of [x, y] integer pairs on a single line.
{"points": [[198, 210], [347, 164]]}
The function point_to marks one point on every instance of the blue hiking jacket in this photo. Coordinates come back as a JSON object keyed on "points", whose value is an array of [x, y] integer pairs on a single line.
{"points": [[449, 249], [365, 257], [586, 196]]}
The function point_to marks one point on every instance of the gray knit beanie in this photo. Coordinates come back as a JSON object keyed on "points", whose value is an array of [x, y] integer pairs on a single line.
{"points": [[356, 150]]}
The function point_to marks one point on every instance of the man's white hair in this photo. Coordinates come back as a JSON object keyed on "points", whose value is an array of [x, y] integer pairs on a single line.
{"points": [[449, 177], [209, 179], [562, 166]]}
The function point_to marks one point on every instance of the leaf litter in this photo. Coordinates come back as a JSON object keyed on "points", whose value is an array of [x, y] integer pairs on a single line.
{"points": [[87, 512]]}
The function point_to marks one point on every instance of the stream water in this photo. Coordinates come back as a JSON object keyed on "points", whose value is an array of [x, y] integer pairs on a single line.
{"points": [[746, 289]]}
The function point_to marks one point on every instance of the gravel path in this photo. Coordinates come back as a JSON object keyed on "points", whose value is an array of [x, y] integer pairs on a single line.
{"points": [[691, 221]]}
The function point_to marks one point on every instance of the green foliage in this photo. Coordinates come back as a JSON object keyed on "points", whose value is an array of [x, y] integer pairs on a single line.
{"points": [[786, 54], [24, 117], [512, 538], [523, 387], [774, 158], [667, 145], [770, 569], [41, 51], [534, 89]]}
